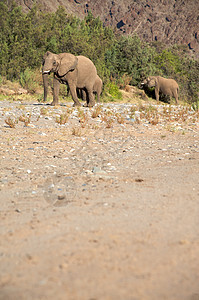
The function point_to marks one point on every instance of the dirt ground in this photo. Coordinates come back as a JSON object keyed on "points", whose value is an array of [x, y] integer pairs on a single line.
{"points": [[103, 208]]}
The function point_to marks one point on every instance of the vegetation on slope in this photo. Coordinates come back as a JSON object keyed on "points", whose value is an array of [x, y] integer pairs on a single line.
{"points": [[24, 38]]}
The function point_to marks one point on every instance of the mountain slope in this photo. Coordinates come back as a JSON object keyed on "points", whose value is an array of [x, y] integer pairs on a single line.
{"points": [[168, 21]]}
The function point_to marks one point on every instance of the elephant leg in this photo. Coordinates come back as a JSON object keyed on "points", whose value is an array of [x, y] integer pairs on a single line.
{"points": [[157, 94], [86, 98], [91, 100], [74, 94], [98, 97], [176, 96], [45, 82], [56, 85], [84, 95]]}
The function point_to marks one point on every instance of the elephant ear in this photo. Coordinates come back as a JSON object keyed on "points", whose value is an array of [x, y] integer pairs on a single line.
{"points": [[152, 81], [68, 62], [46, 54], [155, 81], [44, 57]]}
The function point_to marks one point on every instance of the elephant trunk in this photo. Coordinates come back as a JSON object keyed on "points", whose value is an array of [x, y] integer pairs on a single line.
{"points": [[45, 82]]}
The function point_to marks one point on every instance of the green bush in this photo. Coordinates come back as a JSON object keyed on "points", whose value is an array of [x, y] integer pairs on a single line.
{"points": [[28, 80], [114, 91], [130, 56]]}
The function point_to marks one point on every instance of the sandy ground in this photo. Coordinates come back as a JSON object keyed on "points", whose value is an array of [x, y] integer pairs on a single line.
{"points": [[90, 212]]}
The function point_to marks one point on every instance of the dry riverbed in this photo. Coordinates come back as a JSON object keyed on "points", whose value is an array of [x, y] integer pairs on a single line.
{"points": [[99, 203]]}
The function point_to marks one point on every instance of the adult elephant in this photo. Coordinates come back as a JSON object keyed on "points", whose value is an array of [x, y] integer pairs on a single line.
{"points": [[165, 86], [76, 71], [97, 89]]}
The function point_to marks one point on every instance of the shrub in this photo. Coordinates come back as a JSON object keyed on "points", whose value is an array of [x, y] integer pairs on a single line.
{"points": [[114, 91], [124, 81], [28, 80]]}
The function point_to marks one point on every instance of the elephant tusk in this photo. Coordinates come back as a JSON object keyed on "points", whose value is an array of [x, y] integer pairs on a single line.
{"points": [[142, 83], [46, 72]]}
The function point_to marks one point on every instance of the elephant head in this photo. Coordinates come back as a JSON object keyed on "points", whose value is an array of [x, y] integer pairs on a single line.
{"points": [[150, 81], [59, 64]]}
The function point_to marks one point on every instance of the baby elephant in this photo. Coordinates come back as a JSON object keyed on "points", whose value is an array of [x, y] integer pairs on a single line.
{"points": [[166, 86], [97, 89]]}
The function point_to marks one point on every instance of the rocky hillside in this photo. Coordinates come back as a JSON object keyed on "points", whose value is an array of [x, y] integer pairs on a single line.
{"points": [[169, 21]]}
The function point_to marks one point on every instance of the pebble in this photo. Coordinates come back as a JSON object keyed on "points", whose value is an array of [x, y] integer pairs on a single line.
{"points": [[30, 125], [98, 170], [88, 172], [112, 168]]}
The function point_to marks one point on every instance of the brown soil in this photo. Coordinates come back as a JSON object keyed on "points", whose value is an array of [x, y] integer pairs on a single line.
{"points": [[90, 212]]}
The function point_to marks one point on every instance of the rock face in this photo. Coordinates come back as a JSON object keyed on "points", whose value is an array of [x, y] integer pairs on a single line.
{"points": [[169, 21]]}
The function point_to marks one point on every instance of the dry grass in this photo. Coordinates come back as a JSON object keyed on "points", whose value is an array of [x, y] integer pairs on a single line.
{"points": [[77, 131], [137, 120], [7, 109], [62, 119], [83, 117], [155, 120], [11, 122], [21, 107], [120, 119], [96, 112], [108, 121], [25, 119], [43, 111]]}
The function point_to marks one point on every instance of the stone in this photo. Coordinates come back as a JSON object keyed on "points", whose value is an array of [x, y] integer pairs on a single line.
{"points": [[98, 170]]}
